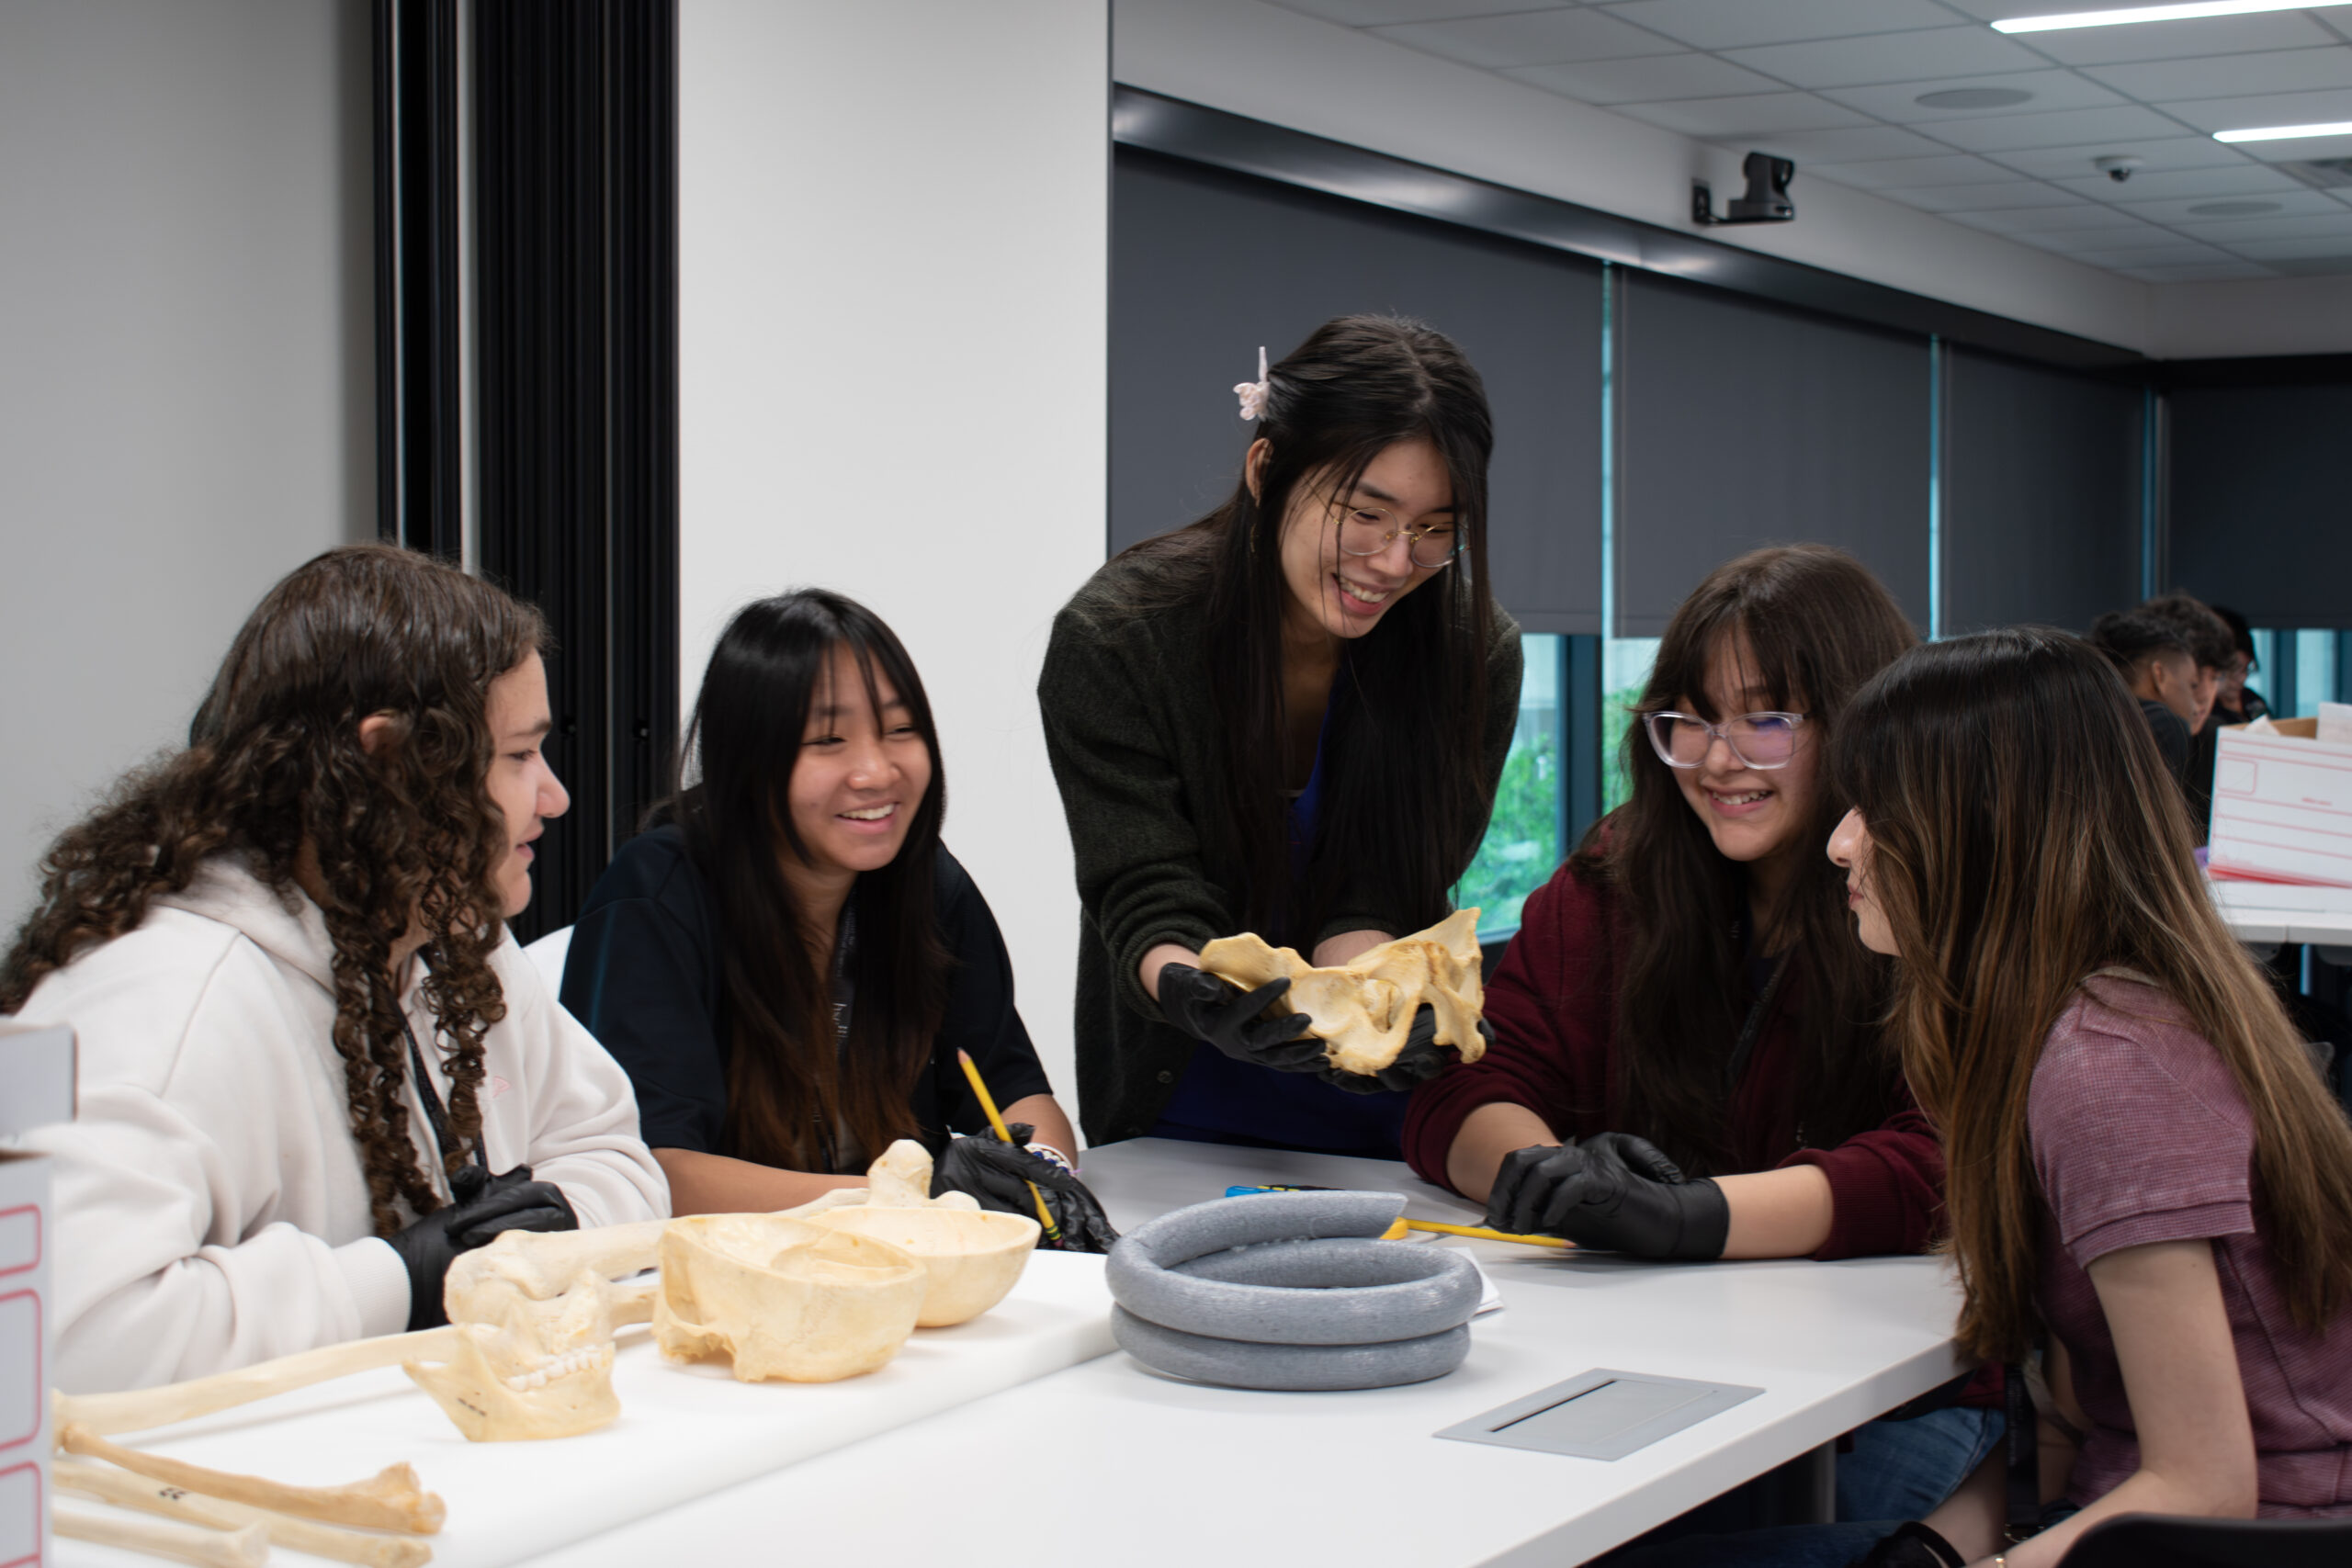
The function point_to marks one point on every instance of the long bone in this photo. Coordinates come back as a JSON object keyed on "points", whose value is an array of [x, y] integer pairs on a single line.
{"points": [[110, 1486], [391, 1499], [137, 1410], [247, 1548]]}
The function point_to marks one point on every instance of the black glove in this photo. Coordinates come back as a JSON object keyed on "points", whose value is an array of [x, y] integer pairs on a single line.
{"points": [[1422, 1059], [480, 1205], [999, 1175], [1614, 1191], [1227, 1017], [1913, 1546]]}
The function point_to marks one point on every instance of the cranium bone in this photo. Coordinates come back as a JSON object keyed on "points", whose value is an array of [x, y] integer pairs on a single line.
{"points": [[971, 1258], [1364, 1010], [786, 1299]]}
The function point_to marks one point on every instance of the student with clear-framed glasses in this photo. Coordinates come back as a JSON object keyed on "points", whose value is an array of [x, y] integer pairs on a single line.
{"points": [[1687, 1062], [1289, 719]]}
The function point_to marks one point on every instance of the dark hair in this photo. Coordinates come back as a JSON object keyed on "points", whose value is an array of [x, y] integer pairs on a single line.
{"points": [[1408, 710], [2130, 638], [1818, 625], [2010, 870], [2241, 633], [405, 833], [786, 1083], [2208, 636]]}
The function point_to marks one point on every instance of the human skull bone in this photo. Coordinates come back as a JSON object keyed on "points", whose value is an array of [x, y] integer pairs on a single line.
{"points": [[1363, 1010], [784, 1299]]}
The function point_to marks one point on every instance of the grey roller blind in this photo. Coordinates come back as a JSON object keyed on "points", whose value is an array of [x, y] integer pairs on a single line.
{"points": [[1747, 424], [2041, 479], [2260, 518], [1206, 265]]}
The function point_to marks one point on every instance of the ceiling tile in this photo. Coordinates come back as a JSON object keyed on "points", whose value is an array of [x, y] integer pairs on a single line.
{"points": [[2176, 151], [1530, 38], [1847, 146], [1899, 101], [2180, 254], [2181, 41], [2311, 266], [1655, 77], [1888, 57], [2229, 232], [2011, 193], [2066, 127], [1731, 24], [2269, 108], [2295, 250], [2288, 203], [2280, 70], [2053, 219], [2161, 185], [1374, 12], [2298, 149], [1753, 116], [1917, 173], [2206, 271]]}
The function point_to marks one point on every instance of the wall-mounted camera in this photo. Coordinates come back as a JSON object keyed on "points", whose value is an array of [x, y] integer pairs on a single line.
{"points": [[1767, 200], [2118, 168]]}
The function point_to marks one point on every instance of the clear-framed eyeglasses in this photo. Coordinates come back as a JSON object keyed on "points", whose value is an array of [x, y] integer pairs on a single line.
{"points": [[1368, 530], [1759, 741]]}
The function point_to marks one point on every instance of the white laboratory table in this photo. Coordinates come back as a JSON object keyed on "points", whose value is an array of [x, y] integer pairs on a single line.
{"points": [[2263, 914], [1107, 1463]]}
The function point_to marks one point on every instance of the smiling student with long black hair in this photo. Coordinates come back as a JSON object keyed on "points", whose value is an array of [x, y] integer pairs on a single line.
{"points": [[788, 964], [1290, 718]]}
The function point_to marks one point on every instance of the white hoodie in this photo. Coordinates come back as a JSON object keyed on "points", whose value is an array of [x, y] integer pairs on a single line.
{"points": [[211, 1208]]}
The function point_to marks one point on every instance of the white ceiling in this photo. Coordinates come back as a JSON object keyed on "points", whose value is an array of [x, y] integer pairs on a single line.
{"points": [[1836, 85]]}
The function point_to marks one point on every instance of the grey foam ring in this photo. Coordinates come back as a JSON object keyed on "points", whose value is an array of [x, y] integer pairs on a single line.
{"points": [[1291, 1291]]}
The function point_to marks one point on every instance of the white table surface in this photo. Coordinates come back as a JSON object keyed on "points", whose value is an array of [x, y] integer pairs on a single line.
{"points": [[2262, 913], [1108, 1463]]}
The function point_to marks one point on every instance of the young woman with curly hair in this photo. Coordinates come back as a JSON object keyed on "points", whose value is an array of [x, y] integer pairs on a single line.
{"points": [[306, 1039]]}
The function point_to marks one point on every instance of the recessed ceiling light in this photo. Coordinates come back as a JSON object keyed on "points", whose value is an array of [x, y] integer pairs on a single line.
{"points": [[1973, 98], [2235, 209], [2145, 14], [2285, 132]]}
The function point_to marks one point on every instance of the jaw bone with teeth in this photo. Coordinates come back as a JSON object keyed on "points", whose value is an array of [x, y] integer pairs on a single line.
{"points": [[1364, 1010]]}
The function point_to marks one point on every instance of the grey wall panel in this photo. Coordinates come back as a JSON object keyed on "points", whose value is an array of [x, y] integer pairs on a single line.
{"points": [[1747, 424], [1206, 265], [2260, 518], [2042, 495]]}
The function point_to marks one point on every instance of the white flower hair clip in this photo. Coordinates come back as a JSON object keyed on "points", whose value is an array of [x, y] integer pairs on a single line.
{"points": [[1253, 393]]}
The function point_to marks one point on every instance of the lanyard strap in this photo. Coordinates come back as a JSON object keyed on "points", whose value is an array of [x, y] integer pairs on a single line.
{"points": [[431, 1099], [1749, 1031]]}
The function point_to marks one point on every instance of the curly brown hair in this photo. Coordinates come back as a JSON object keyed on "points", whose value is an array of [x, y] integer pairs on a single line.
{"points": [[400, 836]]}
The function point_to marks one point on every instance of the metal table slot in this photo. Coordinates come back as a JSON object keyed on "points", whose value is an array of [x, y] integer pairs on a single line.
{"points": [[1603, 1414]]}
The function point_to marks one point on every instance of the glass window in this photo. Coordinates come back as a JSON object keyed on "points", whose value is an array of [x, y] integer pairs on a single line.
{"points": [[2296, 671], [2314, 671], [2266, 660], [1624, 669], [1524, 839]]}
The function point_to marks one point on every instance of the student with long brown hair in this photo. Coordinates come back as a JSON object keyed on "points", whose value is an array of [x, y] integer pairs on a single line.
{"points": [[1683, 998], [788, 963], [2144, 1164], [306, 1041]]}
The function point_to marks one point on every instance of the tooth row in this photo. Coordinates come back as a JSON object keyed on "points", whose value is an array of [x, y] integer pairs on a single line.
{"points": [[587, 1357]]}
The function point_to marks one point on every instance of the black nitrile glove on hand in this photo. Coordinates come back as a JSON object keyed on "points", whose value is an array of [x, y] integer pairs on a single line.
{"points": [[1229, 1018], [1614, 1191], [479, 1207], [1913, 1546], [1422, 1059], [999, 1175]]}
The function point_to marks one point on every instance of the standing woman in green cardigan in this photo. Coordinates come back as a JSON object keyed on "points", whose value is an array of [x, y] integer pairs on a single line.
{"points": [[1290, 718]]}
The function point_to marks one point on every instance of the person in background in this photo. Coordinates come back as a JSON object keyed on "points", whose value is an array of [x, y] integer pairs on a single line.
{"points": [[1687, 1061], [2233, 704], [2216, 653], [1288, 718], [788, 964], [2145, 1165], [307, 1040], [2153, 656]]}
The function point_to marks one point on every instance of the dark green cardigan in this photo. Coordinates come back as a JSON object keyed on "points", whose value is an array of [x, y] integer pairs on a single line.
{"points": [[1135, 749]]}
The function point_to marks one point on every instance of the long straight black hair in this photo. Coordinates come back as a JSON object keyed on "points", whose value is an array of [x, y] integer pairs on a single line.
{"points": [[1819, 626], [1409, 710], [786, 1084]]}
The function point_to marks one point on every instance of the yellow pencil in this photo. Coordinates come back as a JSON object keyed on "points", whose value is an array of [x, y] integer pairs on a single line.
{"points": [[1044, 1215], [1480, 1233]]}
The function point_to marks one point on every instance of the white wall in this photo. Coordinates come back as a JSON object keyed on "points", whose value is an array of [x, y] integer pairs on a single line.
{"points": [[186, 403], [893, 253]]}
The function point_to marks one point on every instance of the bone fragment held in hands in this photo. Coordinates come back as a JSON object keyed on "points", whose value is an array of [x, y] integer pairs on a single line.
{"points": [[1364, 1010]]}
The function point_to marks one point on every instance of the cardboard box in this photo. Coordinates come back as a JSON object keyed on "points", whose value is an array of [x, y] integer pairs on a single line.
{"points": [[2282, 806], [35, 1089]]}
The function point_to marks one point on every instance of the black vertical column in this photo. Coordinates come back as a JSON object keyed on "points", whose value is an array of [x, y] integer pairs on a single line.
{"points": [[576, 312], [419, 457]]}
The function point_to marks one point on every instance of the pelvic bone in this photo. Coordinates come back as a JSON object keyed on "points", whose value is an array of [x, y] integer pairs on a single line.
{"points": [[1364, 1010]]}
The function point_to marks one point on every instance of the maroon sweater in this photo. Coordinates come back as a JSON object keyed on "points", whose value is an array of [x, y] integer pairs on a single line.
{"points": [[1553, 1004]]}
